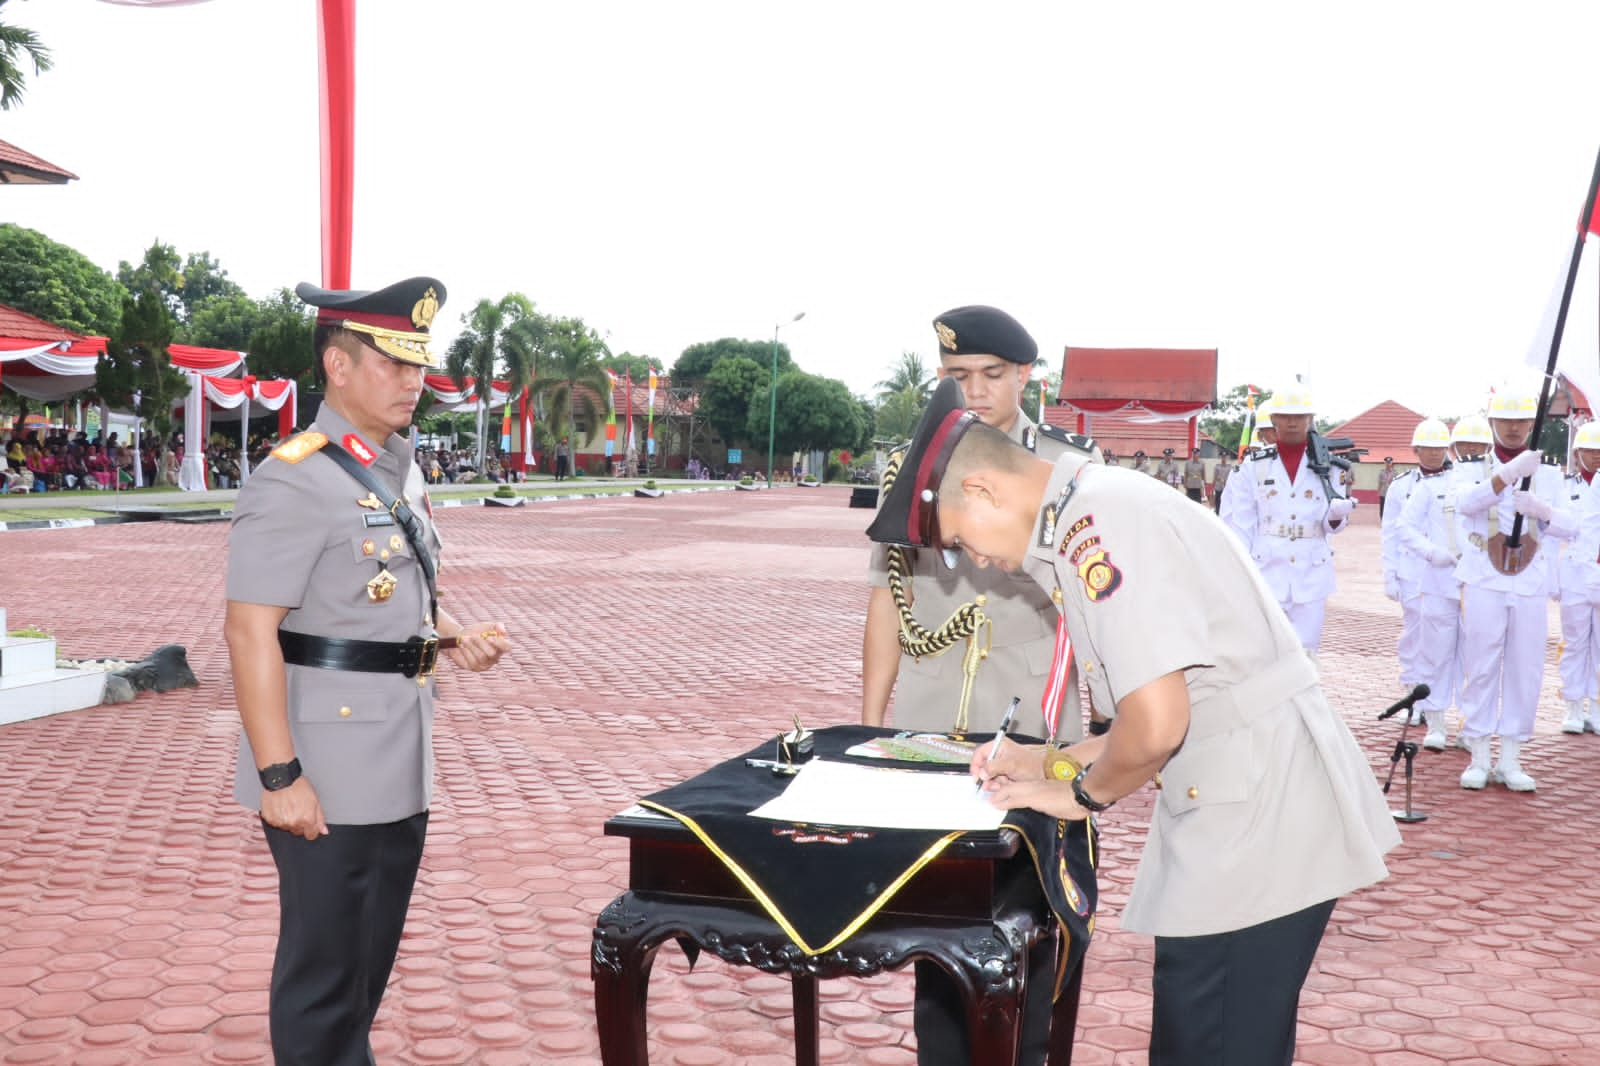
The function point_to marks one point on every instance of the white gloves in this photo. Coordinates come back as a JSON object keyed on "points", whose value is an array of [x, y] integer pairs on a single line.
{"points": [[1517, 468], [1532, 505], [1391, 586], [1339, 510], [1438, 556]]}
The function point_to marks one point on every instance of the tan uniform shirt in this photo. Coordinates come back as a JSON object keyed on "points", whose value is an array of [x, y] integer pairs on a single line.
{"points": [[1269, 806], [300, 539], [928, 691], [1194, 474]]}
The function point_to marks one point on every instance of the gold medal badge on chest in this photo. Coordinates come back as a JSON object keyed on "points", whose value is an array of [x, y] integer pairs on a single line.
{"points": [[380, 588]]}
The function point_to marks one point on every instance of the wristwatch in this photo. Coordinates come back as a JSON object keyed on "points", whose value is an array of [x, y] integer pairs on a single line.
{"points": [[280, 775], [1060, 766], [1086, 801]]}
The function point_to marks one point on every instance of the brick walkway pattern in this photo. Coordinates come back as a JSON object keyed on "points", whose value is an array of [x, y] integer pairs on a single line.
{"points": [[654, 637]]}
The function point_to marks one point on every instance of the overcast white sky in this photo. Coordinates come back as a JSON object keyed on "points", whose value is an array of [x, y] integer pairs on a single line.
{"points": [[1377, 197]]}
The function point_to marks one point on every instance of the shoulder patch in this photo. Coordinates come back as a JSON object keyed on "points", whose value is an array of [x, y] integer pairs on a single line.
{"points": [[1076, 441], [298, 447]]}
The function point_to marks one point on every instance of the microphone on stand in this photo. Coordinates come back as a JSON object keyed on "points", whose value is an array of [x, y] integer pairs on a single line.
{"points": [[1419, 693]]}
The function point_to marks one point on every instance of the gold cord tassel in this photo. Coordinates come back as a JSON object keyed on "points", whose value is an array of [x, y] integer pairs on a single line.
{"points": [[968, 622]]}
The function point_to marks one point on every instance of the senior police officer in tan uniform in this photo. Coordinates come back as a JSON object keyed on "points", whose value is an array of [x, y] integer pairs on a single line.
{"points": [[332, 631], [991, 355], [1268, 811]]}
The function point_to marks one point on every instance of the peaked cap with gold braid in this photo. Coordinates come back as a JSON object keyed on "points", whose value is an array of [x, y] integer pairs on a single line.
{"points": [[394, 320]]}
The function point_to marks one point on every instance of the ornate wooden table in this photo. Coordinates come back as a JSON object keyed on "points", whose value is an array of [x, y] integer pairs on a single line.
{"points": [[977, 910]]}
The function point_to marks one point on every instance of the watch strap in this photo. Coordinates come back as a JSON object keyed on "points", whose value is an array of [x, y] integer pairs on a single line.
{"points": [[280, 775], [1086, 801]]}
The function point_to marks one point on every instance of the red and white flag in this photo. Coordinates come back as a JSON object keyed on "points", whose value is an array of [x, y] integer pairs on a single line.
{"points": [[1579, 357]]}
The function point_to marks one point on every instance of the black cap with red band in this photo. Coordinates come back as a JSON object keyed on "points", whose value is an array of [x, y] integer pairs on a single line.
{"points": [[909, 512], [395, 320]]}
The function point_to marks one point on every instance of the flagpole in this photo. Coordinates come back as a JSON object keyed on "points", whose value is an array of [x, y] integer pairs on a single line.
{"points": [[1584, 220]]}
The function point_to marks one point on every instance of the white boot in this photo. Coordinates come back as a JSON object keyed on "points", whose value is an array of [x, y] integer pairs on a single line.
{"points": [[1435, 740], [1476, 775], [1509, 770], [1573, 723]]}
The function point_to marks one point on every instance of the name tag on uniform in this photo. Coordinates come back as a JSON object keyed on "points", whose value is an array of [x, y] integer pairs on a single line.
{"points": [[382, 519], [1270, 481]]}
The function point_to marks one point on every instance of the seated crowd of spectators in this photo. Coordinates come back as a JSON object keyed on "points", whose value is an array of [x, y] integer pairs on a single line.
{"points": [[56, 460], [450, 466]]}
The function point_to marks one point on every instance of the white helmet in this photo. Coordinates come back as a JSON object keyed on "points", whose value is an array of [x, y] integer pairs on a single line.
{"points": [[1588, 436], [1430, 433], [1515, 398], [1264, 412], [1295, 400], [1472, 429]]}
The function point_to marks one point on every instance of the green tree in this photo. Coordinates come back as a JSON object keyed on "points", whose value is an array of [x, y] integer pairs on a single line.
{"points": [[697, 360], [136, 374], [1040, 381], [161, 269], [628, 363], [571, 378], [909, 375], [726, 394], [223, 321], [896, 418], [203, 280], [280, 346], [56, 283], [17, 47], [813, 414], [1225, 424], [482, 352]]}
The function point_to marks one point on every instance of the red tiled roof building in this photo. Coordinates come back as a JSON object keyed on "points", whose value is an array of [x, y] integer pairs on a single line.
{"points": [[1136, 399]]}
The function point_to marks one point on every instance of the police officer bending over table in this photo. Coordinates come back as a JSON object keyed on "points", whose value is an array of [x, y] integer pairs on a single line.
{"points": [[990, 355], [332, 631], [1268, 812]]}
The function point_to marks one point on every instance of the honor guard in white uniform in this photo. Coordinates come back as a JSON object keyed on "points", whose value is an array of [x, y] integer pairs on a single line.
{"points": [[1401, 567], [1265, 436], [333, 633], [1579, 664], [1281, 511], [944, 683], [1430, 530], [1267, 810], [1504, 591]]}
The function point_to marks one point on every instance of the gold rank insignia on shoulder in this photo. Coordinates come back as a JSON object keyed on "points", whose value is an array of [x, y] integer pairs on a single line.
{"points": [[298, 447], [947, 336]]}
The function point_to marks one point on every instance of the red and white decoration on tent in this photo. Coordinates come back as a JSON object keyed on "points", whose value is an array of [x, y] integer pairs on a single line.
{"points": [[447, 396], [49, 371], [231, 393]]}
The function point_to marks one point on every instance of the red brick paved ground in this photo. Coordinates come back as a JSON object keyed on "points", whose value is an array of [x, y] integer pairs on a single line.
{"points": [[137, 903]]}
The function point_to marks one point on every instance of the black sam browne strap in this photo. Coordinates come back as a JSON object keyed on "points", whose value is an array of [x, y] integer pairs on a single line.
{"points": [[403, 514]]}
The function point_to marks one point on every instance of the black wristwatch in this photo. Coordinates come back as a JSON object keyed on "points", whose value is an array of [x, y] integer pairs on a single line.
{"points": [[280, 775], [1086, 801]]}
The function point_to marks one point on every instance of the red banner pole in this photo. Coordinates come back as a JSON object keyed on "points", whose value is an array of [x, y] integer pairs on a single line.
{"points": [[337, 64]]}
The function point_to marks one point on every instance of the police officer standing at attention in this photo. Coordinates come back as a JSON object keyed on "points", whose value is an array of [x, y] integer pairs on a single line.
{"points": [[1280, 510], [1267, 810], [333, 632], [1194, 477], [1167, 470], [1219, 481], [990, 355]]}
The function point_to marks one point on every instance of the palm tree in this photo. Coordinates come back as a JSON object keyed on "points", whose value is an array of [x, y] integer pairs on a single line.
{"points": [[15, 43], [909, 376], [571, 360], [481, 352]]}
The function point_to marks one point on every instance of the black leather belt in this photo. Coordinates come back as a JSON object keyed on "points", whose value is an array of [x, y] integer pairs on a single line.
{"points": [[413, 658]]}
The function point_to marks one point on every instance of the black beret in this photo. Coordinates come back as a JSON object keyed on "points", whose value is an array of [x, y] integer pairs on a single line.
{"points": [[980, 330], [1166, 451], [909, 514], [395, 320]]}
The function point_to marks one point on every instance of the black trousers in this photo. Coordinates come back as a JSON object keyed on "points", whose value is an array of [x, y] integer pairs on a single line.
{"points": [[1230, 999], [940, 1018], [342, 901]]}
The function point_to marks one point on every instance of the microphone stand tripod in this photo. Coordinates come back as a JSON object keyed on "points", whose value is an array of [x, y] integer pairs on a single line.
{"points": [[1406, 749]]}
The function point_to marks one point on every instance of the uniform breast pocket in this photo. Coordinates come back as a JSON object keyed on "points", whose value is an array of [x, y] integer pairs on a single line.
{"points": [[1209, 772], [382, 545], [318, 702]]}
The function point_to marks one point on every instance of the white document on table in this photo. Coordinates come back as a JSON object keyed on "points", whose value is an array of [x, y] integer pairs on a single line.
{"points": [[835, 793]]}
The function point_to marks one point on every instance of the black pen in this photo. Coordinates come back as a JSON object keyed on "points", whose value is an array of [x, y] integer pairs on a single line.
{"points": [[1005, 724]]}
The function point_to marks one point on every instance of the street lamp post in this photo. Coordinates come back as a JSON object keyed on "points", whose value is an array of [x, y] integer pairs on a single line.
{"points": [[772, 395]]}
